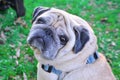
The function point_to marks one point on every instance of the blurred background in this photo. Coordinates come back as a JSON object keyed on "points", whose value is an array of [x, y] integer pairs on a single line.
{"points": [[17, 61]]}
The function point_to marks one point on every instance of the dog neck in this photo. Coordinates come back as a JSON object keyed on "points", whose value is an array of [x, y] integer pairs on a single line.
{"points": [[51, 69]]}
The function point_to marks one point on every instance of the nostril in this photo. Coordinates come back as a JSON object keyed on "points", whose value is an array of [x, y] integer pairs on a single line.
{"points": [[29, 41], [48, 32], [40, 40]]}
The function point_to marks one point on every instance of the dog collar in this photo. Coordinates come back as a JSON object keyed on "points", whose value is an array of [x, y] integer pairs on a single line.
{"points": [[49, 68], [92, 58]]}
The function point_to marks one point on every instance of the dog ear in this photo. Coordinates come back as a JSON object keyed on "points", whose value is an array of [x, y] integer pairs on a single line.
{"points": [[38, 11], [82, 36]]}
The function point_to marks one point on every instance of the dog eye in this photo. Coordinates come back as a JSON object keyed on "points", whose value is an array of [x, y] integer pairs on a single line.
{"points": [[40, 21], [63, 39]]}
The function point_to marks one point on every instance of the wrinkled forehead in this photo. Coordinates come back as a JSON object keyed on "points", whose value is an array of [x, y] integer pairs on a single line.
{"points": [[54, 20], [51, 15], [51, 18], [47, 16]]}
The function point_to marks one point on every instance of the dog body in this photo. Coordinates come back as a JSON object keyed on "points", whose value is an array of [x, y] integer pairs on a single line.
{"points": [[100, 70], [66, 47]]}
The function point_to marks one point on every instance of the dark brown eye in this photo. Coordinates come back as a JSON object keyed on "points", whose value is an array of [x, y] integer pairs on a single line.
{"points": [[63, 39], [40, 21]]}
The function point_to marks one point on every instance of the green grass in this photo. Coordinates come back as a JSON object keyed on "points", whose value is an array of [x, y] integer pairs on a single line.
{"points": [[102, 15]]}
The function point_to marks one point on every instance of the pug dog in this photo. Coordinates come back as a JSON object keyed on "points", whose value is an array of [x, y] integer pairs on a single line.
{"points": [[66, 47]]}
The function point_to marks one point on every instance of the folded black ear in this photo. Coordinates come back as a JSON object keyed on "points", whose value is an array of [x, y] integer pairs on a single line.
{"points": [[38, 11], [82, 36]]}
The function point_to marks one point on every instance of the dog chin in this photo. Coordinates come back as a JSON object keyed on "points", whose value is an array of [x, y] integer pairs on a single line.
{"points": [[45, 54]]}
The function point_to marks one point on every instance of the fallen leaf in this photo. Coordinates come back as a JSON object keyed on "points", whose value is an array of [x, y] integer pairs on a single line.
{"points": [[24, 76], [22, 36], [12, 45], [27, 57], [113, 43], [108, 60], [108, 40], [68, 7], [101, 45], [17, 62], [2, 16], [104, 20], [1, 41], [7, 29], [20, 44], [3, 36], [109, 3], [18, 52], [16, 77], [15, 57], [106, 32]]}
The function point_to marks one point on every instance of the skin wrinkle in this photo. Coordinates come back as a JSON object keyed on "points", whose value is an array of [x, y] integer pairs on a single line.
{"points": [[59, 19], [65, 29]]}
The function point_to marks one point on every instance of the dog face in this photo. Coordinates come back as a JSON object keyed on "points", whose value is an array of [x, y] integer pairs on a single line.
{"points": [[55, 33]]}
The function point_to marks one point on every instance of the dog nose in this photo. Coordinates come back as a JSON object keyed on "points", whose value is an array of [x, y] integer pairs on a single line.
{"points": [[48, 32], [32, 39], [39, 35], [28, 40]]}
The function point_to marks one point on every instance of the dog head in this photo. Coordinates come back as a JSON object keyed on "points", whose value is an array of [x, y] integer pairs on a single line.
{"points": [[55, 33]]}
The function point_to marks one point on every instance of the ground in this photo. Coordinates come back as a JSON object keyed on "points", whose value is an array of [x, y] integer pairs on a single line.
{"points": [[17, 61]]}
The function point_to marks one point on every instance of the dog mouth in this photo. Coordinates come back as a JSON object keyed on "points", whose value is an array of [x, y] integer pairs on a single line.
{"points": [[36, 42]]}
